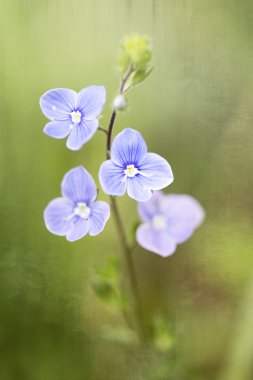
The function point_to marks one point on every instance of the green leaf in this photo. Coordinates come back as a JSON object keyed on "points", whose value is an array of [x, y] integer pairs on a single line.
{"points": [[109, 295], [104, 290], [111, 269], [140, 76]]}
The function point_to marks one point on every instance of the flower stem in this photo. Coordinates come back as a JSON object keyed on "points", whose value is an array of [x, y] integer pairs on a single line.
{"points": [[130, 265], [109, 135], [124, 80], [127, 250], [103, 130], [113, 116]]}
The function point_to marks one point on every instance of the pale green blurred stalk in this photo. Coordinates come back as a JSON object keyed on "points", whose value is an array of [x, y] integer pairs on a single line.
{"points": [[240, 357]]}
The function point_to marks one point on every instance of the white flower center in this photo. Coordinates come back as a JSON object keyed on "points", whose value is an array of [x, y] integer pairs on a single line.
{"points": [[159, 222], [82, 210], [76, 117], [131, 171]]}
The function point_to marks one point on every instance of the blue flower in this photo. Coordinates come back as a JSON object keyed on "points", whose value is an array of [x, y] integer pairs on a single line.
{"points": [[73, 114], [168, 220], [76, 213], [131, 168]]}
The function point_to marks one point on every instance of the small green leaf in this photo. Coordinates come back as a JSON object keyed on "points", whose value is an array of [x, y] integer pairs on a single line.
{"points": [[104, 290], [140, 76], [108, 294], [110, 271]]}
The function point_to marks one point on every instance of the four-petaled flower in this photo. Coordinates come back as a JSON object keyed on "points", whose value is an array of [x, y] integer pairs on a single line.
{"points": [[131, 168], [74, 114], [168, 220], [77, 213]]}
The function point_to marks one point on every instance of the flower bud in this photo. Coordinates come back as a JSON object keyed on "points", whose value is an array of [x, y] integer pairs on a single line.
{"points": [[119, 103], [135, 52]]}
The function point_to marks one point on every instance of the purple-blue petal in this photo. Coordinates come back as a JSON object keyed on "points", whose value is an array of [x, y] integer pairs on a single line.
{"points": [[100, 213], [58, 216], [57, 129], [147, 210], [91, 101], [159, 242], [81, 133], [112, 178], [180, 233], [128, 148], [184, 215], [57, 104], [136, 190], [79, 186], [155, 172], [78, 230]]}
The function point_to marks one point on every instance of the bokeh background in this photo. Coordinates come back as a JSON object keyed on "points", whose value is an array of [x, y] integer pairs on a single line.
{"points": [[196, 109]]}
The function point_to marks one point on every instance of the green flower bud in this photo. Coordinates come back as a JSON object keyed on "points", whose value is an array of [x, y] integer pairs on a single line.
{"points": [[123, 61], [135, 53]]}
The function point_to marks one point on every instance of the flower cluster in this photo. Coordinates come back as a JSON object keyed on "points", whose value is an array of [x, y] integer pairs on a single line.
{"points": [[167, 219]]}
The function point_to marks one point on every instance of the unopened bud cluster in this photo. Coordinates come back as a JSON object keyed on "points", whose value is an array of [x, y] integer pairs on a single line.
{"points": [[135, 57]]}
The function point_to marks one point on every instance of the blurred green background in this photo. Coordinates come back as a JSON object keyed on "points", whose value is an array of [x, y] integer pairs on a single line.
{"points": [[196, 109]]}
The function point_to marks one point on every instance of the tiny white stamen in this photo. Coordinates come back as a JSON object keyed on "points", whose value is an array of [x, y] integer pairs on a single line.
{"points": [[159, 222], [53, 108], [82, 210], [76, 117], [131, 171]]}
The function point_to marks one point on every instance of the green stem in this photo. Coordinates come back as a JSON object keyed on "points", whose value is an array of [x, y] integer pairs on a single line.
{"points": [[121, 230], [239, 358], [130, 264]]}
